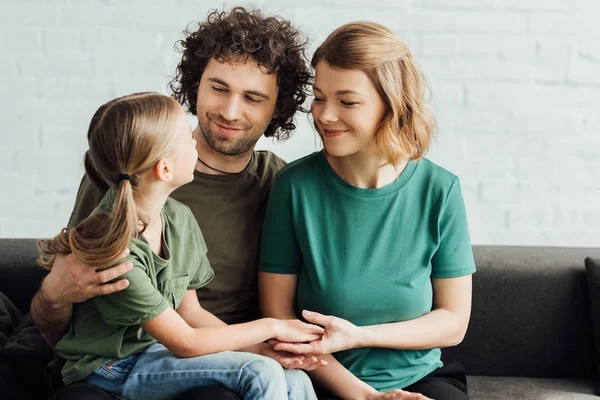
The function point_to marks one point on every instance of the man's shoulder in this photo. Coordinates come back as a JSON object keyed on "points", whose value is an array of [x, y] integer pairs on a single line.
{"points": [[269, 161]]}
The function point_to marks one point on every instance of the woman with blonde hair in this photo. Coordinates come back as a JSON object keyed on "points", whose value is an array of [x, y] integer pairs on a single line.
{"points": [[369, 235], [153, 340]]}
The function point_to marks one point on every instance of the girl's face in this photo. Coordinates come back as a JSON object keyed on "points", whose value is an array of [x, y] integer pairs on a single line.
{"points": [[347, 110], [184, 154]]}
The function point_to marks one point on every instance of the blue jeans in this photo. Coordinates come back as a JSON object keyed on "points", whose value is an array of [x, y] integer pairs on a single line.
{"points": [[156, 373]]}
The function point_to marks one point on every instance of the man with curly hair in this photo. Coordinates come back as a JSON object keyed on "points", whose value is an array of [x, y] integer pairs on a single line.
{"points": [[243, 75]]}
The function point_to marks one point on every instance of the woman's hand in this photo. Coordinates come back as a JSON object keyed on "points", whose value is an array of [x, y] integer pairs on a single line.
{"points": [[294, 330], [398, 394], [339, 335]]}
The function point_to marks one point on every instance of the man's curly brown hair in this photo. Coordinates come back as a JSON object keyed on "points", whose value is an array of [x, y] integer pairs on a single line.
{"points": [[272, 42]]}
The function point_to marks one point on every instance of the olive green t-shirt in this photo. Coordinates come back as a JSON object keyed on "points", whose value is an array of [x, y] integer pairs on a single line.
{"points": [[107, 327], [230, 210], [368, 255]]}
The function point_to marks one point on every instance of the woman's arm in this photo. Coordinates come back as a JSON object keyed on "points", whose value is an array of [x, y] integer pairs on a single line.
{"points": [[444, 326], [277, 294], [206, 334]]}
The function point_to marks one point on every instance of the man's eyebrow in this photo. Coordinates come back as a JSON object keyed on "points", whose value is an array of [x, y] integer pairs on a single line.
{"points": [[251, 92], [340, 92]]}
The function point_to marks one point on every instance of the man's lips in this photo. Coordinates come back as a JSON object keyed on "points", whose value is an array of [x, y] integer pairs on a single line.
{"points": [[227, 130]]}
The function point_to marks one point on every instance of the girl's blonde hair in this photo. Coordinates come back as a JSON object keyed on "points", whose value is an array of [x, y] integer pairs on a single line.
{"points": [[127, 135], [409, 126]]}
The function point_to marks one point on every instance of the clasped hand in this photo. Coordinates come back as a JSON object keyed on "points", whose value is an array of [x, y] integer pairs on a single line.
{"points": [[339, 334]]}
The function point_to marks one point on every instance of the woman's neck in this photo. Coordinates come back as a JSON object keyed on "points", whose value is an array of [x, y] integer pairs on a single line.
{"points": [[366, 171]]}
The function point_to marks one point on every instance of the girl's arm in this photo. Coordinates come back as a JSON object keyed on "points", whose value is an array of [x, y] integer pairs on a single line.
{"points": [[444, 326], [206, 334], [277, 294]]}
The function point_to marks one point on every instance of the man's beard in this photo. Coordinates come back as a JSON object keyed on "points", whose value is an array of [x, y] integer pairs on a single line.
{"points": [[226, 145]]}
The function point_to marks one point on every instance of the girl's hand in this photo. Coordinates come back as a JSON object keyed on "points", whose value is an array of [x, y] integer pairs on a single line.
{"points": [[398, 394], [339, 335], [294, 330]]}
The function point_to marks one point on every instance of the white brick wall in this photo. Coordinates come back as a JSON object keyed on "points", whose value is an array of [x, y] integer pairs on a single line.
{"points": [[516, 89]]}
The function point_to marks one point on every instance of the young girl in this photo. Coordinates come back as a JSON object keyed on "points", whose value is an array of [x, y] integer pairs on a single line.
{"points": [[369, 231], [153, 340]]}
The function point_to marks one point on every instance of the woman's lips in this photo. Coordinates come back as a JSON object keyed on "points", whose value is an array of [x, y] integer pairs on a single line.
{"points": [[333, 132]]}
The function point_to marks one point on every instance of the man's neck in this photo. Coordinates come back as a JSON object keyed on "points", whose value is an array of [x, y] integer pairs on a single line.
{"points": [[215, 163]]}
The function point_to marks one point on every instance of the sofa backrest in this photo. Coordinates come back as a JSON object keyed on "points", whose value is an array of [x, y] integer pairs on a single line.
{"points": [[530, 315], [20, 276]]}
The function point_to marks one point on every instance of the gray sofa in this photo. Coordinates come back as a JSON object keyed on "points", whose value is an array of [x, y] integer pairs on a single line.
{"points": [[530, 335]]}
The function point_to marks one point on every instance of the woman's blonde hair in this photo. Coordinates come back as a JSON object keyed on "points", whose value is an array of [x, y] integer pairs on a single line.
{"points": [[127, 137], [409, 126]]}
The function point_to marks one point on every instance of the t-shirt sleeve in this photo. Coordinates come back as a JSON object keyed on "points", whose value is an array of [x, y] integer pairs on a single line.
{"points": [[279, 250], [88, 198], [204, 272], [138, 303], [454, 256]]}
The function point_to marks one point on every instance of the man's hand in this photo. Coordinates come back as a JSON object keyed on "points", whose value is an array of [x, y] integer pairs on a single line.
{"points": [[71, 281], [289, 360], [339, 335]]}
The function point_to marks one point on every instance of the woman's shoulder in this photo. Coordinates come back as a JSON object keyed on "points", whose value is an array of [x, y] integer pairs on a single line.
{"points": [[434, 174], [301, 169]]}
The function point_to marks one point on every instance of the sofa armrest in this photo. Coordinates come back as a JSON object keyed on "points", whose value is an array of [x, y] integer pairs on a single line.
{"points": [[20, 276]]}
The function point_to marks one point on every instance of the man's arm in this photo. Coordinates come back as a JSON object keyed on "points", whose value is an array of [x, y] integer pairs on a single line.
{"points": [[71, 281]]}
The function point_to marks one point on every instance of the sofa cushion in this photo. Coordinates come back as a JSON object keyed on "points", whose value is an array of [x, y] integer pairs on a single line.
{"points": [[592, 266], [530, 314], [502, 388]]}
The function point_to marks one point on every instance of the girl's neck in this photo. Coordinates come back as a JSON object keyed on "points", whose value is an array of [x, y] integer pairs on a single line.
{"points": [[150, 200], [364, 170]]}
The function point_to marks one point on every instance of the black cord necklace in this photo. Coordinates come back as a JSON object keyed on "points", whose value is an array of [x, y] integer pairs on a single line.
{"points": [[225, 172]]}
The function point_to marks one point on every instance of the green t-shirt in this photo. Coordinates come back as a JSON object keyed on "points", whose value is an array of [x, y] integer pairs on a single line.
{"points": [[108, 327], [368, 255], [230, 210]]}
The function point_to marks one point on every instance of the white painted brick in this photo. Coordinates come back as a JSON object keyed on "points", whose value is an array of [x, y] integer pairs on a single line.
{"points": [[121, 41], [584, 70], [74, 88], [513, 5], [556, 50], [499, 191], [60, 40], [480, 120], [486, 217], [35, 227], [23, 40], [507, 237], [439, 46], [516, 48], [20, 135], [6, 157], [465, 21], [574, 238], [591, 219], [61, 65], [567, 24], [534, 218], [128, 67], [544, 123], [20, 15], [514, 85]]}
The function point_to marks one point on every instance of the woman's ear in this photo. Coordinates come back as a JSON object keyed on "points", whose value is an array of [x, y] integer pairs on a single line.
{"points": [[163, 170]]}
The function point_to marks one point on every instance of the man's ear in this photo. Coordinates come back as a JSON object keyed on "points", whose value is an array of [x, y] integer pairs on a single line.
{"points": [[163, 170]]}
